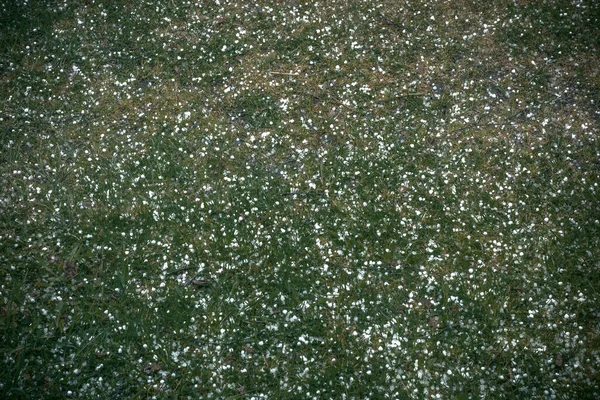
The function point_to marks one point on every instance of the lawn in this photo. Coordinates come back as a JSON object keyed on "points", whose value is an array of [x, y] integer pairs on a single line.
{"points": [[297, 199]]}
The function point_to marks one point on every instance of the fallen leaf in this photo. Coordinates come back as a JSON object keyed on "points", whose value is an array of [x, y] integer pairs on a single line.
{"points": [[70, 269], [559, 360], [151, 368], [248, 349], [433, 322]]}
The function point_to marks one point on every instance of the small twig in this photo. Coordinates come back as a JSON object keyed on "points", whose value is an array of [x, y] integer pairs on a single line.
{"points": [[389, 22], [200, 282], [344, 104], [413, 94], [283, 73], [335, 100], [481, 124], [180, 270]]}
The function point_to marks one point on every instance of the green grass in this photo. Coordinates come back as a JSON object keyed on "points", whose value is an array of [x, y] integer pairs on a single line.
{"points": [[296, 199]]}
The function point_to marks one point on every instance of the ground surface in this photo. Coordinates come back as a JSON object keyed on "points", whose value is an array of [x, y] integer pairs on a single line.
{"points": [[300, 199]]}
